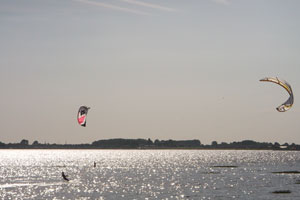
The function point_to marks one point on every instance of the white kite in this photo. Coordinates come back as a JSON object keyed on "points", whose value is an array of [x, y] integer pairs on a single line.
{"points": [[288, 104]]}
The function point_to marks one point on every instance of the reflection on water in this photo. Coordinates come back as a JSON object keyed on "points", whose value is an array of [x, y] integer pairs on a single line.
{"points": [[148, 174]]}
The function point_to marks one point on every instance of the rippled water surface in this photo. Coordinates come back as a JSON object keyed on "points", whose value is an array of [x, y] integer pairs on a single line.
{"points": [[148, 174]]}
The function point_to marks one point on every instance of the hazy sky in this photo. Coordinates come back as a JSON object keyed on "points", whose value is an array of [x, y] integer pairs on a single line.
{"points": [[166, 69]]}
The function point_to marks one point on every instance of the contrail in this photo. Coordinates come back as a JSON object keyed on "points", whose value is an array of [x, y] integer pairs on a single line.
{"points": [[149, 5], [113, 7]]}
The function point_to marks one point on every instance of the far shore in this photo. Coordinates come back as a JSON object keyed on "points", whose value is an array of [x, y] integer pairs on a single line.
{"points": [[208, 149], [148, 144]]}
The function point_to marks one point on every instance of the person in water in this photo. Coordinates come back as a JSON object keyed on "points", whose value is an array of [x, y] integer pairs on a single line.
{"points": [[94, 164], [65, 177]]}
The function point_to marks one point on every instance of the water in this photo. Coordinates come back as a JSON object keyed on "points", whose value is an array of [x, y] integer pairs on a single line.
{"points": [[148, 174]]}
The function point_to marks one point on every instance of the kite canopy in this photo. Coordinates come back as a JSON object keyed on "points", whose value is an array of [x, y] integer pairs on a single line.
{"points": [[288, 104], [81, 115]]}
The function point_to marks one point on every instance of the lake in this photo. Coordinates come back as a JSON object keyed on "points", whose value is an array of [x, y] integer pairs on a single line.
{"points": [[149, 174]]}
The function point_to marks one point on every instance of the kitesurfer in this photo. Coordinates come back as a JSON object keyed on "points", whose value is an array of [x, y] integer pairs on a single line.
{"points": [[65, 177]]}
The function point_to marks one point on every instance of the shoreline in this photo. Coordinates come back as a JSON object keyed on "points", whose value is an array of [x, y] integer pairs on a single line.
{"points": [[213, 149]]}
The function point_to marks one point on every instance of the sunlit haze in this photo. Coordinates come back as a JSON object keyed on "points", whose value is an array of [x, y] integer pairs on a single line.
{"points": [[159, 69]]}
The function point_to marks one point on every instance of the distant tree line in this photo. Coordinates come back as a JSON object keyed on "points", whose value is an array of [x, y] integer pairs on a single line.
{"points": [[120, 143], [250, 144]]}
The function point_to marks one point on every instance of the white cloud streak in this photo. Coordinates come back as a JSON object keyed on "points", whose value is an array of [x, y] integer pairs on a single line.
{"points": [[149, 5], [112, 7]]}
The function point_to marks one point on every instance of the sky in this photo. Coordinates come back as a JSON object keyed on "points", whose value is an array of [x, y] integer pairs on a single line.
{"points": [[158, 69]]}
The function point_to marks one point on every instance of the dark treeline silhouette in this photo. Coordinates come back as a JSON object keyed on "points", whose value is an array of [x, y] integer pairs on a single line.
{"points": [[120, 143]]}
